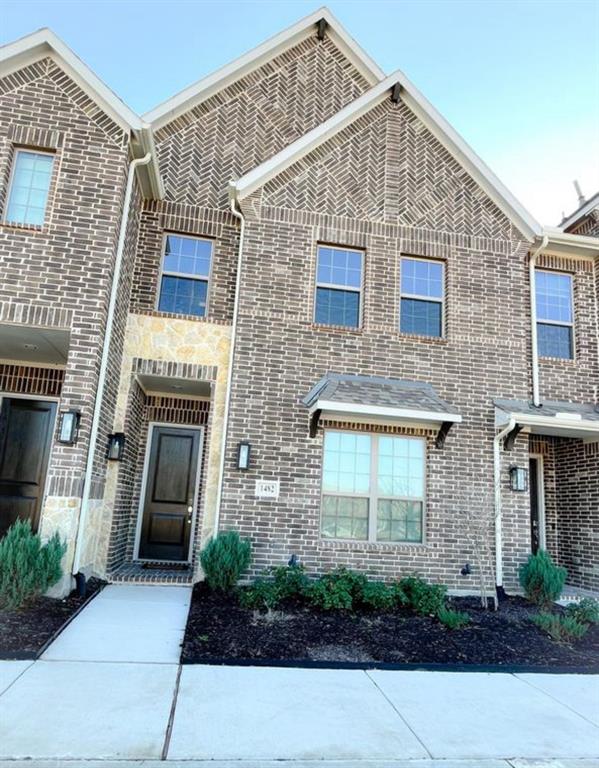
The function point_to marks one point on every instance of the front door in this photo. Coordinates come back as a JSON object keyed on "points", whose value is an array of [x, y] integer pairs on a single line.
{"points": [[535, 505], [170, 493], [25, 440]]}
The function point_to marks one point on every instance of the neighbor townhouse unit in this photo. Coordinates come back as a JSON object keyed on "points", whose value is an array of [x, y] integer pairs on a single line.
{"points": [[293, 302]]}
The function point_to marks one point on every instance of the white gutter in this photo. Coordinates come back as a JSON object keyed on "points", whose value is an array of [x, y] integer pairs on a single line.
{"points": [[532, 263], [498, 514], [236, 211], [91, 454], [408, 414]]}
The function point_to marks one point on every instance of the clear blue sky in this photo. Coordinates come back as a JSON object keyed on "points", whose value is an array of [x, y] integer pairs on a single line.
{"points": [[519, 79]]}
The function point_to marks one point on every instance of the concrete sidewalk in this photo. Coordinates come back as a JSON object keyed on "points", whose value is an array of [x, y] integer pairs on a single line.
{"points": [[110, 688]]}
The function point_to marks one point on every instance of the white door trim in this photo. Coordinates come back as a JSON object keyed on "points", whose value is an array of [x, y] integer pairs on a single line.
{"points": [[144, 482], [540, 498]]}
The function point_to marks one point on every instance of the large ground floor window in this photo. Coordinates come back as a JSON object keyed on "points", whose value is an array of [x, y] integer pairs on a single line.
{"points": [[373, 487]]}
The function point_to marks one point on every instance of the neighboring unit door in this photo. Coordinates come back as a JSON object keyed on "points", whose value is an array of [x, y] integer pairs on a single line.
{"points": [[535, 516], [25, 440], [170, 493]]}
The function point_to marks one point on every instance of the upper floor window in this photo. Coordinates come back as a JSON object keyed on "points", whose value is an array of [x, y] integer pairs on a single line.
{"points": [[555, 315], [29, 187], [185, 275], [422, 295], [373, 487], [338, 286]]}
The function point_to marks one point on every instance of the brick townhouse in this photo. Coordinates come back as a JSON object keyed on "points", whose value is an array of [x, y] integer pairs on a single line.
{"points": [[291, 301]]}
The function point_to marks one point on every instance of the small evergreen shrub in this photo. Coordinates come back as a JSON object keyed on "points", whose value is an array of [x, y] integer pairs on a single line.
{"points": [[425, 599], [453, 619], [377, 596], [290, 580], [27, 567], [542, 580], [266, 594], [224, 559], [339, 590], [561, 627], [586, 611]]}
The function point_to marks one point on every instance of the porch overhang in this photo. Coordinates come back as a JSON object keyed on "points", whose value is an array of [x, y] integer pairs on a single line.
{"points": [[379, 401], [554, 419]]}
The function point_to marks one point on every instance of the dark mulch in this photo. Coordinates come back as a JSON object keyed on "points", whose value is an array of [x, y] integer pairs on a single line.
{"points": [[24, 633], [220, 631]]}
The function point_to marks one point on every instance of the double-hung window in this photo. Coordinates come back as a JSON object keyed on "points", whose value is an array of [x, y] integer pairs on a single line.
{"points": [[338, 286], [29, 187], [373, 487], [185, 275], [422, 297], [555, 316]]}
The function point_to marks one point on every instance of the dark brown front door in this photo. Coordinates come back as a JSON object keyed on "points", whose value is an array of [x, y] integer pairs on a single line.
{"points": [[25, 439], [535, 521], [170, 492]]}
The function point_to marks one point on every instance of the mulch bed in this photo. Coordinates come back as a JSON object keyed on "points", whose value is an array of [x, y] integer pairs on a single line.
{"points": [[219, 631], [25, 633]]}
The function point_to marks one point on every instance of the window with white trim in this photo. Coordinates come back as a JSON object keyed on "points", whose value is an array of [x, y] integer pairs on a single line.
{"points": [[338, 286], [422, 296], [555, 314], [29, 187], [185, 277], [373, 487]]}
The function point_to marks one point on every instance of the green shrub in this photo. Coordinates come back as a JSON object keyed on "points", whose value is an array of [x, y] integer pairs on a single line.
{"points": [[339, 590], [268, 593], [542, 580], [586, 611], [27, 567], [377, 596], [453, 619], [562, 628], [426, 599], [224, 559]]}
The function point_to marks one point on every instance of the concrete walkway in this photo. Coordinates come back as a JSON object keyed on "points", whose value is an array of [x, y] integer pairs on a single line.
{"points": [[110, 689]]}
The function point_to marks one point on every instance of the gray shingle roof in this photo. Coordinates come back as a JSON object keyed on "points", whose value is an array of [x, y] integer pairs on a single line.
{"points": [[550, 408], [377, 391]]}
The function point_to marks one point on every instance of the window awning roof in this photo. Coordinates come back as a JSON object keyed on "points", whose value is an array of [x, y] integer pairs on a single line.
{"points": [[554, 418], [376, 400]]}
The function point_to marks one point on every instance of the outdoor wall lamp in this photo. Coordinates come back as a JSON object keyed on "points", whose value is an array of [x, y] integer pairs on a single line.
{"points": [[518, 479], [68, 427], [116, 447], [243, 455]]}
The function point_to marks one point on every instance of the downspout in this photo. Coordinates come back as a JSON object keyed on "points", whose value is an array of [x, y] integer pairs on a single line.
{"points": [[236, 211], [91, 453], [532, 264], [498, 514]]}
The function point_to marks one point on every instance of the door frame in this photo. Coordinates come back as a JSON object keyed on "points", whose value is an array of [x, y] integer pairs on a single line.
{"points": [[40, 398], [540, 497], [144, 484]]}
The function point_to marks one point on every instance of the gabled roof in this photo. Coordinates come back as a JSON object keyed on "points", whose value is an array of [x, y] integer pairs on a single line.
{"points": [[581, 212], [44, 43], [435, 123], [206, 87]]}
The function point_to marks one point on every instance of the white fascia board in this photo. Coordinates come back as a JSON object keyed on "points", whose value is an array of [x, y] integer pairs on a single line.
{"points": [[43, 43], [573, 245], [206, 87], [547, 422], [435, 123], [404, 414], [266, 171], [581, 212]]}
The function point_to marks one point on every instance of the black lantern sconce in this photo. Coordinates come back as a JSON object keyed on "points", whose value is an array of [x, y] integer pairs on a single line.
{"points": [[518, 479], [243, 455], [68, 427], [116, 447]]}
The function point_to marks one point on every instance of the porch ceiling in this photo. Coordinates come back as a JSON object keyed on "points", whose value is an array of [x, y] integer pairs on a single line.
{"points": [[21, 343], [165, 385]]}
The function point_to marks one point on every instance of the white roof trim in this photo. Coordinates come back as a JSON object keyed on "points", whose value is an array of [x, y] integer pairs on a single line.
{"points": [[206, 87], [43, 43], [572, 245], [404, 414], [560, 425], [581, 212], [437, 125]]}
